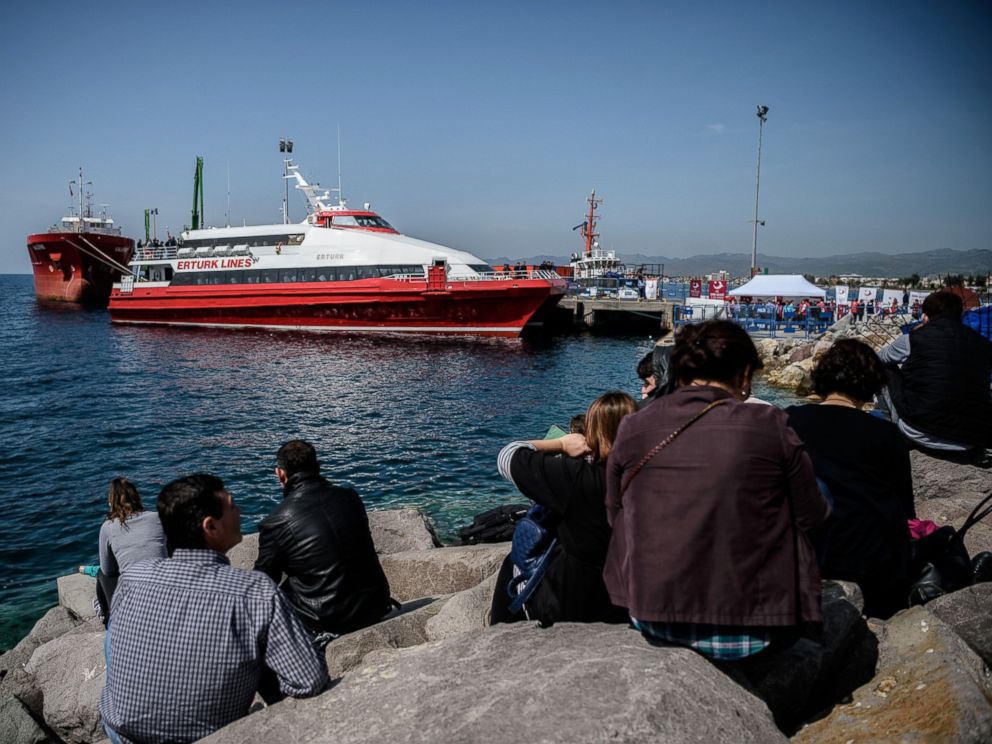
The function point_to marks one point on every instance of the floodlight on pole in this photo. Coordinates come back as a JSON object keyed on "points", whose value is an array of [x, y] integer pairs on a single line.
{"points": [[762, 116], [286, 146]]}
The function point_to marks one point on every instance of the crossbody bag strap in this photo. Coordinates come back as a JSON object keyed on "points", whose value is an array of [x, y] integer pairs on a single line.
{"points": [[665, 442], [977, 515]]}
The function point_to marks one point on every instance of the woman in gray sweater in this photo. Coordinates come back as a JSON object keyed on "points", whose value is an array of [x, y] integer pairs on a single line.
{"points": [[129, 535]]}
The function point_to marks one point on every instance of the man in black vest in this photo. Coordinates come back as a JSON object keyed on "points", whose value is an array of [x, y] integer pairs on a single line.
{"points": [[939, 392], [319, 538]]}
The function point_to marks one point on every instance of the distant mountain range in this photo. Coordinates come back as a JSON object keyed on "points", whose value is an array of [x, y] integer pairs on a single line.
{"points": [[926, 263]]}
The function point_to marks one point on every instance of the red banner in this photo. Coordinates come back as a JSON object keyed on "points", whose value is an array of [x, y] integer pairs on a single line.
{"points": [[718, 289], [695, 287]]}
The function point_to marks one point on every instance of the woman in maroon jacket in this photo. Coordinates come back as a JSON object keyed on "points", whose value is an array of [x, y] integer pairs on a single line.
{"points": [[709, 547]]}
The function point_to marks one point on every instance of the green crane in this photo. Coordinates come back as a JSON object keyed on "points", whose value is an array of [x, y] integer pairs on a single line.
{"points": [[198, 195]]}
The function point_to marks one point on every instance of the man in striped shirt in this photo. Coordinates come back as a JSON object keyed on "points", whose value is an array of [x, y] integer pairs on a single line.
{"points": [[193, 639]]}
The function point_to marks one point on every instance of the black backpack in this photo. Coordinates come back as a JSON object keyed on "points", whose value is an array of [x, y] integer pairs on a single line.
{"points": [[495, 525]]}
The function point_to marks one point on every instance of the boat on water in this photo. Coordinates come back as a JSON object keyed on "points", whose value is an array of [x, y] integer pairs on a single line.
{"points": [[79, 259], [594, 262], [340, 269]]}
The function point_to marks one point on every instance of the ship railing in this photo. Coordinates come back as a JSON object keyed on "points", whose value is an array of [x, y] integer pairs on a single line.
{"points": [[488, 276], [155, 252]]}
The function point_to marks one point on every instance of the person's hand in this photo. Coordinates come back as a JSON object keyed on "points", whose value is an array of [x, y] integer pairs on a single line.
{"points": [[574, 445]]}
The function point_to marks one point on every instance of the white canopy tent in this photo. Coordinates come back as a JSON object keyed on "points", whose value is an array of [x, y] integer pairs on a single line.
{"points": [[777, 285]]}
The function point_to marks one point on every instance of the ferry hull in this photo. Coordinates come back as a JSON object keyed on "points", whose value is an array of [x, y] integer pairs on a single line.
{"points": [[67, 267], [487, 308]]}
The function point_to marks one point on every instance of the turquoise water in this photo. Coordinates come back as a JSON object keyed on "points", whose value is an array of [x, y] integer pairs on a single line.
{"points": [[406, 421]]}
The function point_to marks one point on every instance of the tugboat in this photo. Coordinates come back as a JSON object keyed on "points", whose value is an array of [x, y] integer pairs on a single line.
{"points": [[340, 269], [80, 259], [594, 261]]}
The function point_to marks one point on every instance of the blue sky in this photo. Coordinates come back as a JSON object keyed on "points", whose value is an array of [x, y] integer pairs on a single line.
{"points": [[485, 125]]}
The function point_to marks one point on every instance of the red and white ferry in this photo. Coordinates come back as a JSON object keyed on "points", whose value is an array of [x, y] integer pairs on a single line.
{"points": [[79, 259], [340, 269]]}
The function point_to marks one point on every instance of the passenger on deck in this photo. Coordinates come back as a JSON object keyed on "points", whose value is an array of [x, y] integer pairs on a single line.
{"points": [[129, 534], [938, 381], [703, 493], [864, 462], [568, 477], [319, 538], [192, 638]]}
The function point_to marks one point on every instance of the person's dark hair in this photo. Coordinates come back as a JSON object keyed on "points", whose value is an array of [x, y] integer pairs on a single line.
{"points": [[122, 500], [715, 350], [578, 424], [849, 367], [297, 456], [645, 367], [602, 421], [183, 505], [943, 304]]}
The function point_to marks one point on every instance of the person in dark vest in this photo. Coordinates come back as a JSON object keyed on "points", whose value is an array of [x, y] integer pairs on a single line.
{"points": [[319, 538], [938, 380]]}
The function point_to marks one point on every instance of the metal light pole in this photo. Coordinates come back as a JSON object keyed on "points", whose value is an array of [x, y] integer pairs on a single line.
{"points": [[286, 146], [154, 213], [762, 115]]}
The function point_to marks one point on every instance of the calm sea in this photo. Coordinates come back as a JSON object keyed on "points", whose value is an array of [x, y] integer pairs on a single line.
{"points": [[406, 421]]}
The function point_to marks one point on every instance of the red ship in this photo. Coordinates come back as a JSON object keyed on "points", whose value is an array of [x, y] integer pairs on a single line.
{"points": [[340, 269], [79, 260]]}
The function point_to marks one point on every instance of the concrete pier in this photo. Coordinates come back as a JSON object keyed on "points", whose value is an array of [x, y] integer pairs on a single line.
{"points": [[633, 315]]}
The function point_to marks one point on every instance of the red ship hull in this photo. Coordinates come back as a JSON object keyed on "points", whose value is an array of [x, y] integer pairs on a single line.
{"points": [[489, 308], [67, 267]]}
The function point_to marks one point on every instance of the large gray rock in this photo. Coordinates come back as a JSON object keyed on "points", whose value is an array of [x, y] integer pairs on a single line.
{"points": [[70, 671], [569, 683], [16, 724], [954, 511], [431, 573], [929, 686], [402, 631], [969, 613], [935, 479], [393, 531], [76, 593], [244, 554], [13, 679], [468, 611], [399, 530]]}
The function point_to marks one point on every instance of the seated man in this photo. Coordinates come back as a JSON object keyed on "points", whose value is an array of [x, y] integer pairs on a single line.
{"points": [[938, 395], [193, 639], [319, 538]]}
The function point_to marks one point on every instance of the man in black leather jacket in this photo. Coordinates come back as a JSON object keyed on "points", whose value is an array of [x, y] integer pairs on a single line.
{"points": [[319, 538]]}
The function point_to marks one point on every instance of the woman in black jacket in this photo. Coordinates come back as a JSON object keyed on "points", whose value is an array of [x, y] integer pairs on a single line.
{"points": [[568, 477], [863, 461]]}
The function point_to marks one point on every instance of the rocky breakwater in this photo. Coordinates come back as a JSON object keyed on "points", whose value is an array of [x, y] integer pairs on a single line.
{"points": [[437, 671], [789, 362]]}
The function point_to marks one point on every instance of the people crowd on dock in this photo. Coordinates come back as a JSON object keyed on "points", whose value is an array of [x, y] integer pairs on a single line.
{"points": [[693, 516]]}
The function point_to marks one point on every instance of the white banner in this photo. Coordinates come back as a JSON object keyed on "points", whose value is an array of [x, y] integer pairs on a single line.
{"points": [[915, 297], [651, 289], [891, 294], [867, 293], [840, 295]]}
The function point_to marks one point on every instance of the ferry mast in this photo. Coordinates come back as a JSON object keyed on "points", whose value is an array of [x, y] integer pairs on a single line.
{"points": [[589, 227]]}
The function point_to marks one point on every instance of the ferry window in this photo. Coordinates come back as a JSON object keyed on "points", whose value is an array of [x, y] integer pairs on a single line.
{"points": [[364, 220], [481, 268], [216, 277], [252, 277], [288, 275], [234, 277], [269, 276], [325, 274], [168, 273], [344, 220], [308, 274], [368, 272], [346, 274], [181, 279], [295, 239]]}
